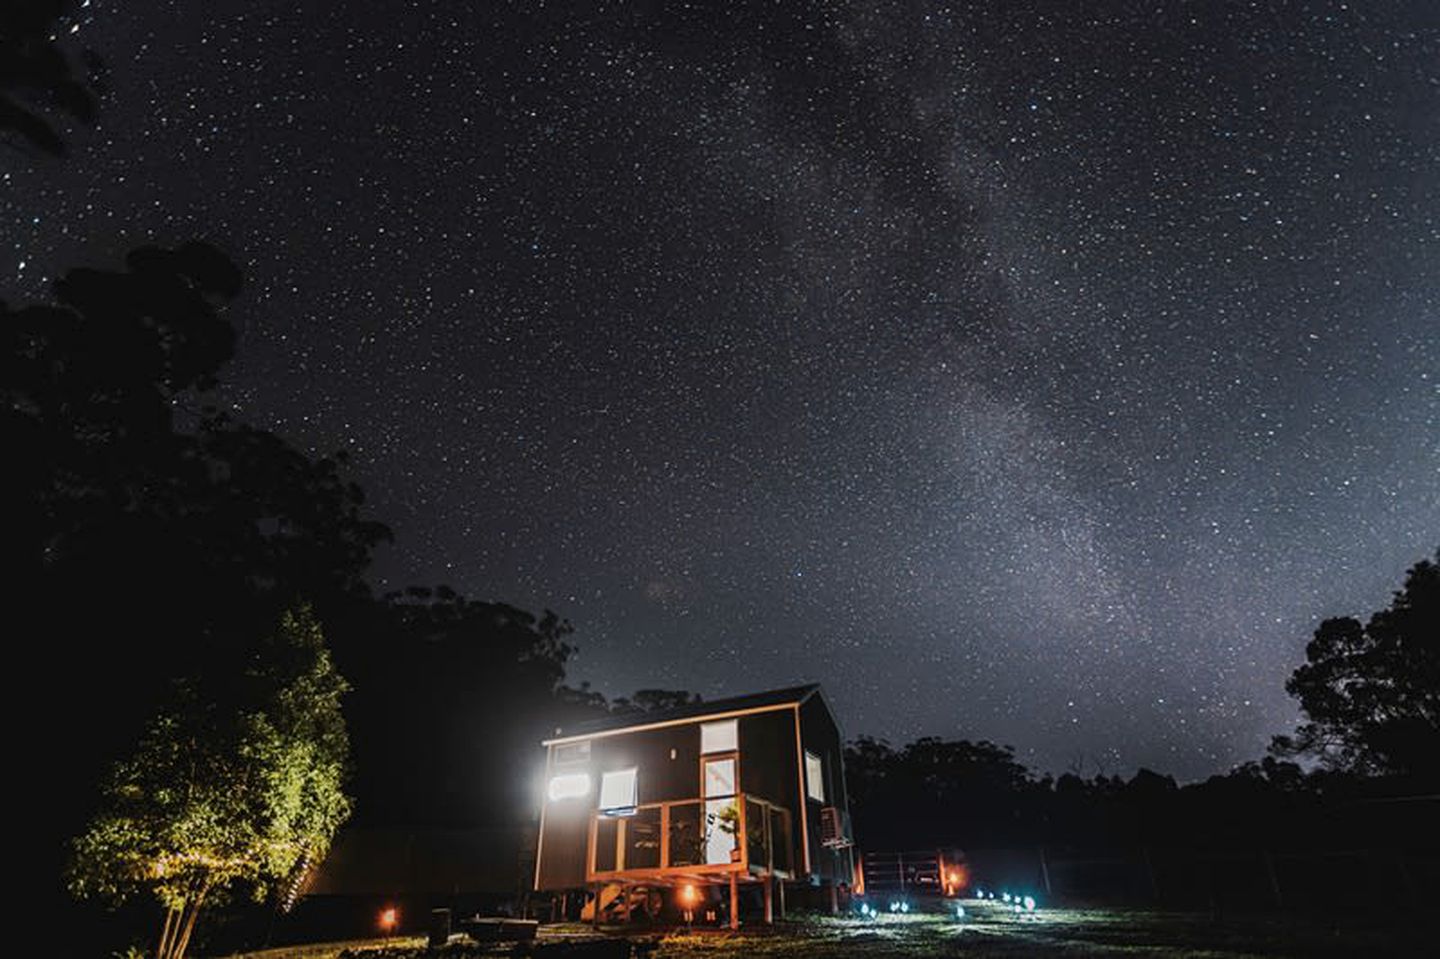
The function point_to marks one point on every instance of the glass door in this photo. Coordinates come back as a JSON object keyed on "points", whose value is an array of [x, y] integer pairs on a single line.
{"points": [[720, 784]]}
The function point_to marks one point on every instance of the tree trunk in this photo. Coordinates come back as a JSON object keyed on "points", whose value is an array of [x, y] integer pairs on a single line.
{"points": [[167, 933], [195, 904]]}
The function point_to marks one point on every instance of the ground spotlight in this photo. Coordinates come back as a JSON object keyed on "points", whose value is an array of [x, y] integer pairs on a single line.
{"points": [[1029, 903]]}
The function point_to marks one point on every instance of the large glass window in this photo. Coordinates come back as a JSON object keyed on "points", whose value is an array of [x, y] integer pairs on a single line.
{"points": [[618, 792], [814, 777], [719, 778], [722, 737]]}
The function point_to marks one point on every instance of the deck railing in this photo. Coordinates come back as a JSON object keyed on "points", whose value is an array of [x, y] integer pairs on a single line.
{"points": [[743, 833]]}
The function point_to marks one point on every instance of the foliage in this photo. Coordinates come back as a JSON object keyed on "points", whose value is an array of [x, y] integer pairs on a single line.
{"points": [[122, 481], [942, 787], [452, 695], [36, 74], [1371, 693], [654, 701], [231, 786]]}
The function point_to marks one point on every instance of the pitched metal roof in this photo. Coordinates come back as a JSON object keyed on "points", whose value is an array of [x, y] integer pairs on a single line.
{"points": [[694, 711]]}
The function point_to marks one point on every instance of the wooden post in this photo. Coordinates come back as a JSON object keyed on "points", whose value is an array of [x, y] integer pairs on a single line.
{"points": [[625, 903], [1150, 873], [599, 888], [769, 899], [734, 903], [782, 899], [1274, 878], [834, 898]]}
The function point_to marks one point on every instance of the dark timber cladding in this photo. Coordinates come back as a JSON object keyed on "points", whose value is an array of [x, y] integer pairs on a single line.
{"points": [[581, 843]]}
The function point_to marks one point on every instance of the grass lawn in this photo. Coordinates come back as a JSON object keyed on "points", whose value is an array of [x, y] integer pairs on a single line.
{"points": [[989, 930]]}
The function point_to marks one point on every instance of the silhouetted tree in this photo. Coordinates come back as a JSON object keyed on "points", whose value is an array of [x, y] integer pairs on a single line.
{"points": [[37, 76], [156, 534], [1371, 693], [935, 792], [654, 701], [452, 697]]}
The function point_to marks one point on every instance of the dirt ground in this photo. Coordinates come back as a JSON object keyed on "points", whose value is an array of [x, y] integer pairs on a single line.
{"points": [[989, 929]]}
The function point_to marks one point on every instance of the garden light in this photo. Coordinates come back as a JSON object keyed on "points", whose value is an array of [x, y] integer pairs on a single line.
{"points": [[389, 919], [1029, 903]]}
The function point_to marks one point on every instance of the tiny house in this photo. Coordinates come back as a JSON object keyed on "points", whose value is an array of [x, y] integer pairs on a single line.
{"points": [[739, 791]]}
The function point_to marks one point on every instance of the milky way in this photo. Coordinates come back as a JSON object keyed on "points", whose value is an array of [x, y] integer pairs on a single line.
{"points": [[1035, 372]]}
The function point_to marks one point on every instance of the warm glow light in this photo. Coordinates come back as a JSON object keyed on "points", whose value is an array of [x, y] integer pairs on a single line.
{"points": [[689, 895], [954, 878], [569, 786], [389, 918]]}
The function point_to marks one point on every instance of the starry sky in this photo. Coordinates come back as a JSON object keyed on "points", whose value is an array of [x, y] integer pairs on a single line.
{"points": [[1040, 372]]}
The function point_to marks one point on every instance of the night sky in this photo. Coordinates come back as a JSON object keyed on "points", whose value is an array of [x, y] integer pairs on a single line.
{"points": [[1034, 372]]}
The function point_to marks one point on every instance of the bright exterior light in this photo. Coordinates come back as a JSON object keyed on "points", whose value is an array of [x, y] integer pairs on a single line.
{"points": [[959, 912], [954, 877], [904, 907], [1005, 896], [894, 907], [389, 918], [979, 893], [569, 786], [689, 895], [1029, 903]]}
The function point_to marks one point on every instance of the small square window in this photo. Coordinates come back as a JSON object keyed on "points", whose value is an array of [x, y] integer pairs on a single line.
{"points": [[814, 777], [618, 792], [722, 737], [571, 753]]}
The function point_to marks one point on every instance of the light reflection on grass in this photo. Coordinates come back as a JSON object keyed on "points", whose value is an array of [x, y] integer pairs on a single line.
{"points": [[993, 929]]}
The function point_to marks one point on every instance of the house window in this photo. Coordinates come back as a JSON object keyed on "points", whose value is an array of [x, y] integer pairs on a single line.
{"points": [[814, 777], [618, 792], [719, 737], [571, 753], [719, 778]]}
